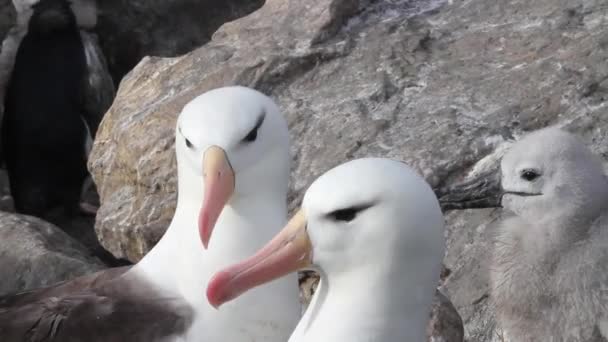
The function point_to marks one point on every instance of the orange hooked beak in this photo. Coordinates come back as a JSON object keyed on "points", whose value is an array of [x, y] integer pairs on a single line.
{"points": [[290, 250], [219, 180]]}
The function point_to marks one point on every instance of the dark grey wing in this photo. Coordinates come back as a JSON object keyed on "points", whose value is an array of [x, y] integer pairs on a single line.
{"points": [[92, 317], [99, 90], [121, 309], [85, 282]]}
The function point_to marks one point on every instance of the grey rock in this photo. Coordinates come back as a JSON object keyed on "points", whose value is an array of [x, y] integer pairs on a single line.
{"points": [[99, 86], [34, 253], [7, 17], [445, 324], [469, 241], [6, 201], [13, 30], [441, 86]]}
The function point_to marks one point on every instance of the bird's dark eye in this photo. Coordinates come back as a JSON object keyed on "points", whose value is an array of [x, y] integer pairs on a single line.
{"points": [[529, 175], [345, 215], [251, 136], [188, 143], [348, 214]]}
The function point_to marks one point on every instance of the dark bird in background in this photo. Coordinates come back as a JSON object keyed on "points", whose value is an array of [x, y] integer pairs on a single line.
{"points": [[46, 129]]}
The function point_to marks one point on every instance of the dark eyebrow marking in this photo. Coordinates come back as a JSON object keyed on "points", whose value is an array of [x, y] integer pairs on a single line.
{"points": [[260, 120], [253, 133], [355, 208]]}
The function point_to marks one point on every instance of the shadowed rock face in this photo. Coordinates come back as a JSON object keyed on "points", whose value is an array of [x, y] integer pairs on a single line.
{"points": [[7, 17], [443, 87], [130, 30], [34, 254]]}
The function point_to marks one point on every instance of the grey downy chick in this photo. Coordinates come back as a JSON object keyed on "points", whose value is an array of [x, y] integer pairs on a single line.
{"points": [[549, 269]]}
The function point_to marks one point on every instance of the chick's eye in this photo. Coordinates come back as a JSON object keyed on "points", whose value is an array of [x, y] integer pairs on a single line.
{"points": [[188, 143], [529, 175], [251, 136], [345, 215]]}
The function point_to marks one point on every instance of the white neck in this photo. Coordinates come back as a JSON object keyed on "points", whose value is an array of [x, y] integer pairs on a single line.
{"points": [[179, 265], [359, 308]]}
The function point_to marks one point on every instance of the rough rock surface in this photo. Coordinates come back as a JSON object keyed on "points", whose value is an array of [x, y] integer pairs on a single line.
{"points": [[440, 86], [132, 29], [445, 324], [11, 33], [7, 17], [34, 254]]}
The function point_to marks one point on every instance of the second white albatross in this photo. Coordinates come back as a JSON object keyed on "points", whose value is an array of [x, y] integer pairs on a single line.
{"points": [[232, 150], [373, 229]]}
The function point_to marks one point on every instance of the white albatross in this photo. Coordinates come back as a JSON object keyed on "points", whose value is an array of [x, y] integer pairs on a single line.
{"points": [[548, 273], [373, 229], [232, 149]]}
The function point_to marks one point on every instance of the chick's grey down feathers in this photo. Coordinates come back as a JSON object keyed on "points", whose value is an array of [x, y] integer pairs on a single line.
{"points": [[549, 269]]}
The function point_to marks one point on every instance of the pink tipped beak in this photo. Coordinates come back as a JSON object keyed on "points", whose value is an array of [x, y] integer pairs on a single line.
{"points": [[287, 252], [219, 186]]}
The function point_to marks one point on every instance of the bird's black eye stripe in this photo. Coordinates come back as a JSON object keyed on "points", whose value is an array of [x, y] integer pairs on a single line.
{"points": [[347, 214], [253, 134], [188, 143], [529, 175]]}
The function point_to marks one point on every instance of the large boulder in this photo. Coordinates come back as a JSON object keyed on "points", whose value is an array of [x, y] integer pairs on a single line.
{"points": [[34, 253], [441, 86]]}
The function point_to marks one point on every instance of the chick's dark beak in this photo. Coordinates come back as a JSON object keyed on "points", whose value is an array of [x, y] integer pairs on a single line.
{"points": [[483, 191]]}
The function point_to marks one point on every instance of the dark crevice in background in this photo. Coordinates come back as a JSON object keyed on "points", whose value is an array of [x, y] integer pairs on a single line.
{"points": [[129, 31]]}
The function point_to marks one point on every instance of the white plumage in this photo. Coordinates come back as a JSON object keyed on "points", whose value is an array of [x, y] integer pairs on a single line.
{"points": [[374, 231]]}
